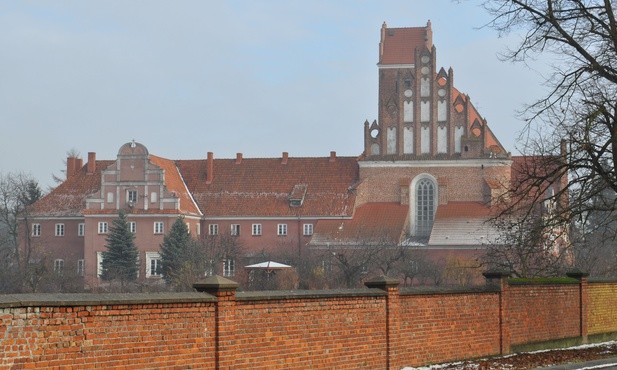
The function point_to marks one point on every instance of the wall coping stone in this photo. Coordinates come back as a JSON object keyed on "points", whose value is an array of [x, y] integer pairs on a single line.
{"points": [[448, 290], [103, 299], [602, 280], [308, 294]]}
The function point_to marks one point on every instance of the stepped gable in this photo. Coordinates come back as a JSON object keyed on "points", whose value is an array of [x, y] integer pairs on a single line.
{"points": [[475, 123], [379, 223], [263, 187], [69, 198]]}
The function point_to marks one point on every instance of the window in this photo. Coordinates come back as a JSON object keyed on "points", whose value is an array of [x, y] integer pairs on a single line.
{"points": [[209, 271], [229, 267], [110, 197], [103, 228], [235, 229], [198, 226], [213, 229], [307, 229], [59, 229], [153, 264], [425, 207], [153, 197], [158, 227], [99, 264], [36, 229], [133, 226], [188, 228], [80, 267], [131, 196], [81, 229], [58, 266], [281, 230], [256, 229]]}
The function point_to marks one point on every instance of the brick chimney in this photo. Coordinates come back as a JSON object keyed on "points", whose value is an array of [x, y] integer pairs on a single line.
{"points": [[210, 168], [238, 158], [332, 156], [70, 166], [285, 158], [91, 163]]}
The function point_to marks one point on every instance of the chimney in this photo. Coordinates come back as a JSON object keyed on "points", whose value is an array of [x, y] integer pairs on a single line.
{"points": [[285, 158], [238, 158], [70, 166], [78, 164], [332, 156], [91, 162], [210, 168]]}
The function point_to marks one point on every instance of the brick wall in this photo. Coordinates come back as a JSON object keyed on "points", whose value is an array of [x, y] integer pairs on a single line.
{"points": [[373, 328], [542, 312], [602, 307], [85, 332], [440, 327]]}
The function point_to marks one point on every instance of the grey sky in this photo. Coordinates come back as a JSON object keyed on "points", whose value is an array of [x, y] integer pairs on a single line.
{"points": [[257, 77]]}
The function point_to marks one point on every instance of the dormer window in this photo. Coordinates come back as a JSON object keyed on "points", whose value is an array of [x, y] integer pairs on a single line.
{"points": [[296, 198]]}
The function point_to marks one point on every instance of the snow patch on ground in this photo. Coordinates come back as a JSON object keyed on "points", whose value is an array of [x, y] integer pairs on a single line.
{"points": [[471, 364]]}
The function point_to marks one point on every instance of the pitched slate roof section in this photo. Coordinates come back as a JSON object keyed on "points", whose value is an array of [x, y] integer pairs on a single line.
{"points": [[69, 198], [372, 224], [462, 225], [260, 187]]}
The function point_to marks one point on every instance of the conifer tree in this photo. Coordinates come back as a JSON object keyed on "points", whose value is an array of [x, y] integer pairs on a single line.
{"points": [[181, 261], [120, 259]]}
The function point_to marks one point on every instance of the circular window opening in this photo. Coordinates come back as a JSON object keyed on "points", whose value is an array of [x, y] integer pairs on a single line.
{"points": [[374, 133]]}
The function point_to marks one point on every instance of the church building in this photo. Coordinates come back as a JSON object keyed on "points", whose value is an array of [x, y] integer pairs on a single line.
{"points": [[428, 177]]}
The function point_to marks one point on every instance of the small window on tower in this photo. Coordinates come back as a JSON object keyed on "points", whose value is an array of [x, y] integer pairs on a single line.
{"points": [[407, 83]]}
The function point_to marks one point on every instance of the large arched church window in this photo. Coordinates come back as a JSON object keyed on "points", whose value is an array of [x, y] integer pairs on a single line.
{"points": [[425, 206]]}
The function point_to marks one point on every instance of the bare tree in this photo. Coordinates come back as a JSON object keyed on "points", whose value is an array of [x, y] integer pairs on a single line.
{"points": [[572, 131], [17, 192]]}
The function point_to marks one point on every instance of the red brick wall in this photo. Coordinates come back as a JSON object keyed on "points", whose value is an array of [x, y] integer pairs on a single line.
{"points": [[169, 335], [602, 307], [333, 333], [444, 327], [369, 328], [538, 313]]}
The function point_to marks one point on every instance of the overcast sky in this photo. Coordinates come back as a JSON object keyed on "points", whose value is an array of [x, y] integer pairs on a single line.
{"points": [[257, 77]]}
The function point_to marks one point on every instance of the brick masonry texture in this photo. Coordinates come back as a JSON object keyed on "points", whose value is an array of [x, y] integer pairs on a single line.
{"points": [[372, 328]]}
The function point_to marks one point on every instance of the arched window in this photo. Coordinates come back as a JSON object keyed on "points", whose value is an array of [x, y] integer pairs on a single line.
{"points": [[425, 206]]}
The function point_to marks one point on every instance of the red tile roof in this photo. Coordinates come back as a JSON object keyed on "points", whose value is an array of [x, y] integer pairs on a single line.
{"points": [[372, 223], [399, 44], [69, 198], [261, 187], [174, 183]]}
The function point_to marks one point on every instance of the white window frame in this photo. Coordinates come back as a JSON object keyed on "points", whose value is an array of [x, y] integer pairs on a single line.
{"points": [[58, 265], [131, 196], [110, 197], [198, 227], [188, 228], [81, 267], [59, 229], [256, 230], [235, 229], [307, 229], [159, 227], [213, 229], [81, 229], [229, 267], [153, 258], [133, 227], [36, 229], [103, 227], [99, 264], [281, 230]]}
